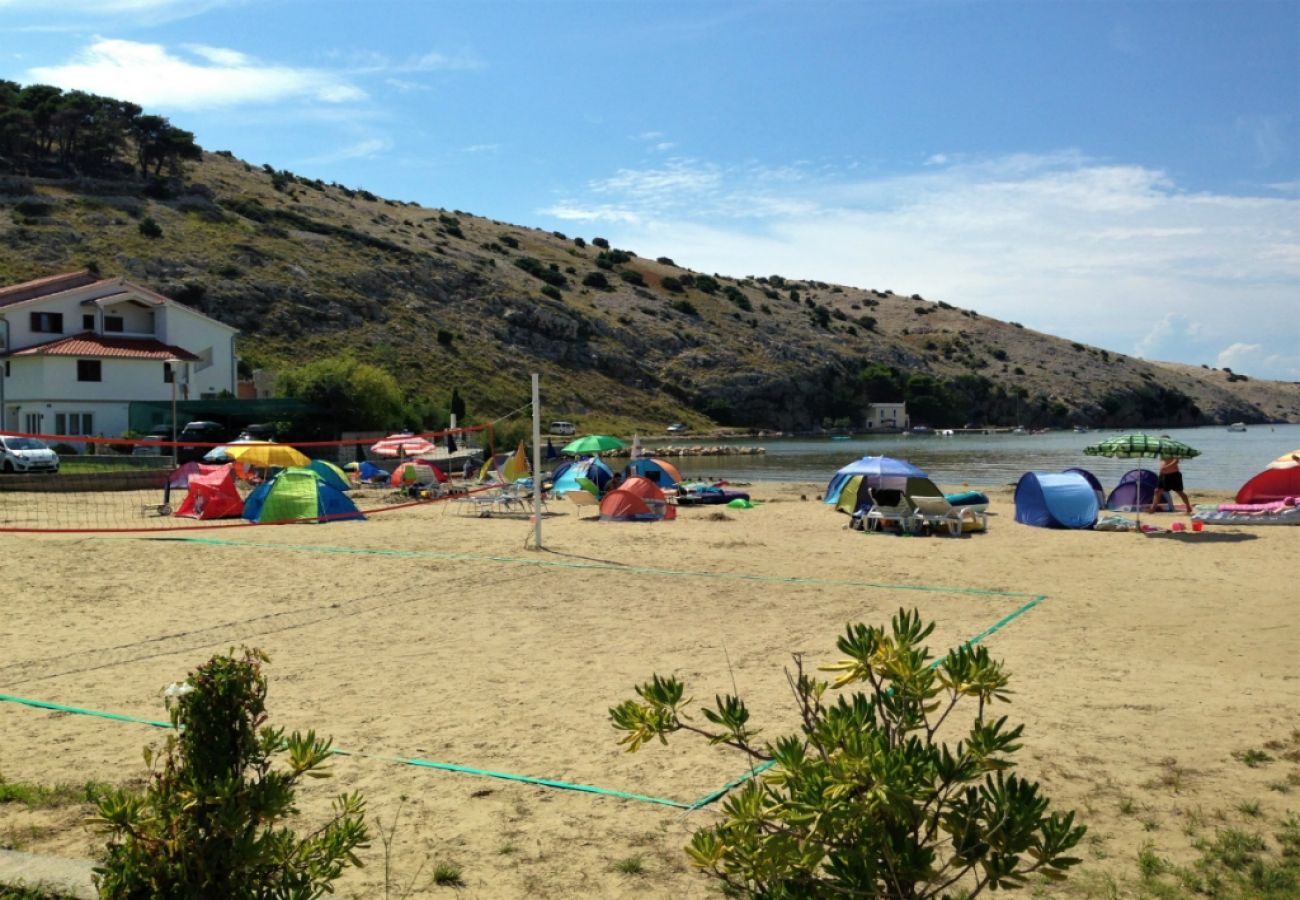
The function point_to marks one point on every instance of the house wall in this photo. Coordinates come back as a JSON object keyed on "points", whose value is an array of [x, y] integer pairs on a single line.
{"points": [[887, 416], [212, 342], [20, 331]]}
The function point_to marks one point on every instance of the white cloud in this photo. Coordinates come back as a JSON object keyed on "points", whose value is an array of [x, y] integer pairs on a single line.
{"points": [[366, 149], [220, 56], [481, 148], [1114, 255], [153, 77], [937, 159], [1233, 355]]}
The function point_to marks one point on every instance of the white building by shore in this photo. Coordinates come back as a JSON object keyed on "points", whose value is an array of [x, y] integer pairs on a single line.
{"points": [[78, 349]]}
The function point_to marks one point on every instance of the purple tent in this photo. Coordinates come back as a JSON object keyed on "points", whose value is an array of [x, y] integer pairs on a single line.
{"points": [[1135, 492]]}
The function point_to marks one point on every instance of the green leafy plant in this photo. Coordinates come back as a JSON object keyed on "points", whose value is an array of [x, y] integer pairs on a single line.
{"points": [[209, 823], [865, 800]]}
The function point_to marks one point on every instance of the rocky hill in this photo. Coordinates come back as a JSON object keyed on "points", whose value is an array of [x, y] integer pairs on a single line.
{"points": [[445, 299]]}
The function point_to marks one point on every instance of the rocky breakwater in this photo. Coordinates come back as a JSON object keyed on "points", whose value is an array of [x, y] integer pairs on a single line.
{"points": [[695, 450]]}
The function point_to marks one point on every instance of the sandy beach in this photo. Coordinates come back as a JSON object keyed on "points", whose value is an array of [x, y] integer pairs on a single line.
{"points": [[1140, 665]]}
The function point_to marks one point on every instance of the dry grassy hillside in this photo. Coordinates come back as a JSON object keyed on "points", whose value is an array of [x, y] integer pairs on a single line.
{"points": [[450, 300]]}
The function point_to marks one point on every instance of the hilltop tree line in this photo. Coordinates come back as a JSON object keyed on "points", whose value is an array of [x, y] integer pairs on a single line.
{"points": [[45, 130]]}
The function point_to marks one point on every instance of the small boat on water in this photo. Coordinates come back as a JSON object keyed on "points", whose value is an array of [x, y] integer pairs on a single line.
{"points": [[1237, 426]]}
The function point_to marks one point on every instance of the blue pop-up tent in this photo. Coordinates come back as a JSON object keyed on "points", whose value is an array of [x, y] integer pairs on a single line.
{"points": [[1055, 500]]}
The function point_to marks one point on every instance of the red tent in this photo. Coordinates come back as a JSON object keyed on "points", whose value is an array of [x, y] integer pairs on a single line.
{"points": [[1271, 485], [212, 495], [637, 500]]}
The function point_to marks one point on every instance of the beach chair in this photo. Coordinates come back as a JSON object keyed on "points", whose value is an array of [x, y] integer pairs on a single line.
{"points": [[937, 512], [891, 509], [582, 499]]}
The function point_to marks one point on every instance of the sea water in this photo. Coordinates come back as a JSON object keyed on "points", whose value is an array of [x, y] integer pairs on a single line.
{"points": [[1227, 458]]}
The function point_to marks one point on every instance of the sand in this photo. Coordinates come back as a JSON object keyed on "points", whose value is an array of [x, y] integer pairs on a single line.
{"points": [[1150, 662]]}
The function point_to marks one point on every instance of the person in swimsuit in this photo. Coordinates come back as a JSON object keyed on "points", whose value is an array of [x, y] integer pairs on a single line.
{"points": [[1171, 480]]}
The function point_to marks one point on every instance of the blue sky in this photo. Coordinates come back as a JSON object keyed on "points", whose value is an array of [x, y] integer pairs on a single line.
{"points": [[1121, 173]]}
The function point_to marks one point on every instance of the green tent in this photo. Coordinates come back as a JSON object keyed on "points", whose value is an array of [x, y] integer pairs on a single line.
{"points": [[297, 495]]}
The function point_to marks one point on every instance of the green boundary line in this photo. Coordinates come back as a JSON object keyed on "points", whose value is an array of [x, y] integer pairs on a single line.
{"points": [[614, 567], [528, 779]]}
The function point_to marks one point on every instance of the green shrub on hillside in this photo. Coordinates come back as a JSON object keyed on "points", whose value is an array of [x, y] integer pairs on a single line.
{"points": [[596, 280]]}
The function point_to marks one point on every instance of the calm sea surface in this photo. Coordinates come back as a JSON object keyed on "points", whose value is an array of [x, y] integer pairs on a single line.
{"points": [[1227, 458]]}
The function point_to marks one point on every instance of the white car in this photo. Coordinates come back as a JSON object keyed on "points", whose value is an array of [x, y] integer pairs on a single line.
{"points": [[24, 454], [678, 428]]}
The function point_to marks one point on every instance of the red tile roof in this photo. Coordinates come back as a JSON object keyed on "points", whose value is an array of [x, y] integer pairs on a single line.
{"points": [[89, 344], [40, 287]]}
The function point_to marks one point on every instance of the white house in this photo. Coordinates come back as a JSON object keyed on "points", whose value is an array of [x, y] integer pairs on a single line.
{"points": [[887, 417], [78, 348]]}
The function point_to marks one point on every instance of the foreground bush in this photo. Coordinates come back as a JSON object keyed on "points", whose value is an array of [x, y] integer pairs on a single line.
{"points": [[864, 801], [208, 824]]}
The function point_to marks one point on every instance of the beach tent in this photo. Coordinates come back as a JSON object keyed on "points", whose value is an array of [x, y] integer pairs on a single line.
{"points": [[1050, 500], [416, 472], [1135, 491], [1095, 482], [638, 500], [331, 474], [659, 471], [180, 476], [1270, 486], [297, 495], [593, 470], [212, 495], [1279, 481], [371, 473], [879, 471]]}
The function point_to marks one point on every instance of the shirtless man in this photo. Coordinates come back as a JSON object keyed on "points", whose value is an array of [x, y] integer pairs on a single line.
{"points": [[1171, 479]]}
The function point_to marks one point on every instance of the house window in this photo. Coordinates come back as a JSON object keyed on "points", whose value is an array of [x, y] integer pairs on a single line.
{"points": [[113, 323], [47, 322], [6, 368], [33, 423], [88, 321], [74, 424], [169, 374], [89, 370]]}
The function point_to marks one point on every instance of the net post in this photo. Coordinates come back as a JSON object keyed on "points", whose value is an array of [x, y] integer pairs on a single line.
{"points": [[537, 463]]}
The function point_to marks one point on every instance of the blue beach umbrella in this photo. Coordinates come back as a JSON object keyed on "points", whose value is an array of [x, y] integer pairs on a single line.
{"points": [[873, 469]]}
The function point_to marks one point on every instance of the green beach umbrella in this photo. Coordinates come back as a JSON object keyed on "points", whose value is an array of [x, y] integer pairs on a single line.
{"points": [[1134, 446], [593, 443]]}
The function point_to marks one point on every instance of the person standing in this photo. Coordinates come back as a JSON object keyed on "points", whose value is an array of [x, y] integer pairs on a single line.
{"points": [[1171, 481]]}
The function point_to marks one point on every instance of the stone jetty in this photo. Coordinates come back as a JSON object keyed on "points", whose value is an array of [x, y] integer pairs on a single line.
{"points": [[692, 450]]}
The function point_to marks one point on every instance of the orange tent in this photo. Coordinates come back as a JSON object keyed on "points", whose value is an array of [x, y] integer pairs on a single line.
{"points": [[637, 500]]}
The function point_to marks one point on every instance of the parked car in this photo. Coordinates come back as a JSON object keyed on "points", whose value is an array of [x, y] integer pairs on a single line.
{"points": [[678, 428], [24, 454], [151, 443], [207, 433], [564, 428]]}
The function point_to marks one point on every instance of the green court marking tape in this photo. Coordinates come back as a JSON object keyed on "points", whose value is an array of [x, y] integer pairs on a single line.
{"points": [[403, 760], [759, 769], [562, 564], [79, 711]]}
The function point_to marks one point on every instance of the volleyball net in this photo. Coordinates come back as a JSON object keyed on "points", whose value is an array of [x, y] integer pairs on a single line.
{"points": [[62, 483]]}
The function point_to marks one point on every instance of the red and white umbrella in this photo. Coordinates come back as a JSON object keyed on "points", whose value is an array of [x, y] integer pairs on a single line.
{"points": [[402, 445]]}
